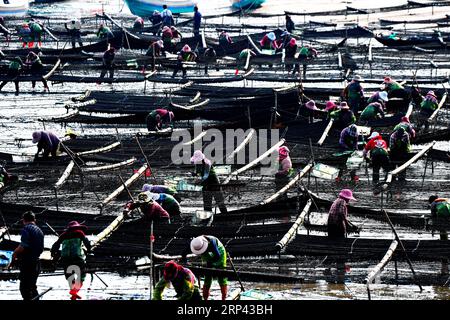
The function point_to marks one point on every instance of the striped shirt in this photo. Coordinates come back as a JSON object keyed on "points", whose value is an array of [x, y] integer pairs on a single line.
{"points": [[338, 214], [32, 240]]}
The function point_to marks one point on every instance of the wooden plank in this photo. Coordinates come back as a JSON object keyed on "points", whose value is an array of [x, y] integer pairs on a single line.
{"points": [[111, 166], [387, 257], [256, 161], [253, 45], [65, 175], [325, 133], [99, 150], [441, 103], [116, 192], [81, 104], [291, 183], [62, 117], [293, 230], [190, 107]]}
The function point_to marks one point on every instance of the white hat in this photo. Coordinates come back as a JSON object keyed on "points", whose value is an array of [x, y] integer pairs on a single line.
{"points": [[383, 96], [373, 135], [197, 157], [153, 196], [358, 78], [199, 245], [272, 36]]}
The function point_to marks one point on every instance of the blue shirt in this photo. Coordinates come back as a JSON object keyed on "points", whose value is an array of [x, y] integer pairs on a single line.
{"points": [[32, 240]]}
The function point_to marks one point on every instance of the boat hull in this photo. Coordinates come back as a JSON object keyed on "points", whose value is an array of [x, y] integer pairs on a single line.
{"points": [[14, 8], [145, 8], [244, 4]]}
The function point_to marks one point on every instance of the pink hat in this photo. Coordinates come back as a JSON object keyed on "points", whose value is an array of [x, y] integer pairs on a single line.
{"points": [[347, 194], [283, 151], [171, 115], [431, 93], [186, 48], [36, 136], [75, 225], [197, 157], [387, 79], [311, 104], [166, 28], [293, 42], [344, 105], [405, 119], [330, 105]]}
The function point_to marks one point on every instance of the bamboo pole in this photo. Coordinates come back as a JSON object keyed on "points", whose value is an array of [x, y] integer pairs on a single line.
{"points": [[256, 161], [119, 190], [146, 159], [190, 107], [325, 133], [290, 184], [292, 231], [441, 103], [65, 175], [403, 249], [81, 104], [247, 139], [102, 236], [375, 271], [250, 40], [99, 150], [201, 135], [50, 73], [111, 166], [407, 164]]}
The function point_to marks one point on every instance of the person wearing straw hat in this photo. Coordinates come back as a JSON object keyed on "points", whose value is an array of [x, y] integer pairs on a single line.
{"points": [[377, 148], [405, 124], [373, 111], [71, 134], [268, 41], [73, 254], [185, 55], [47, 142], [161, 189], [213, 253], [285, 170], [354, 93], [151, 210], [338, 223], [290, 49], [379, 96], [427, 107], [400, 147], [156, 118], [183, 281], [330, 106], [210, 182], [343, 117]]}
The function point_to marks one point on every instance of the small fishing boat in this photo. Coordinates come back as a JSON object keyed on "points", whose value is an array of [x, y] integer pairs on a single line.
{"points": [[13, 7], [247, 4], [145, 8]]}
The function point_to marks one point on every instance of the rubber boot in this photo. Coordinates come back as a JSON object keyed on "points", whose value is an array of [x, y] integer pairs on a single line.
{"points": [[224, 290], [206, 292]]}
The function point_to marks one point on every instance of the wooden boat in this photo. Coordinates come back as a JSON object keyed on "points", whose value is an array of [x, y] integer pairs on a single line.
{"points": [[408, 42], [338, 32], [247, 4], [145, 8], [13, 7]]}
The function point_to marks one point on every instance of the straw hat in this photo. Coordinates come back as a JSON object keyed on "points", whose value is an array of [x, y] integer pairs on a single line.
{"points": [[346, 194], [73, 225], [36, 136], [330, 105], [186, 48], [431, 93], [197, 157], [144, 197], [358, 78], [383, 96], [344, 105], [311, 104], [271, 36], [199, 245]]}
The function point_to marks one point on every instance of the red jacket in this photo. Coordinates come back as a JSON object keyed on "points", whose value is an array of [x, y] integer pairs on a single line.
{"points": [[374, 142], [151, 211]]}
